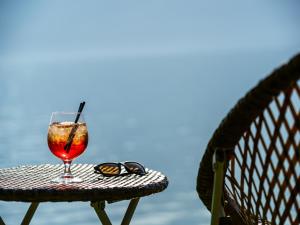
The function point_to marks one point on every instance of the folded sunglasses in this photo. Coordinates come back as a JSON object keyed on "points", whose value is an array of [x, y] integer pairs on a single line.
{"points": [[115, 169]]}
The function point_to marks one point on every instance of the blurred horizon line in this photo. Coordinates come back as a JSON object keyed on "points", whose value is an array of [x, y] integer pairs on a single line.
{"points": [[49, 57]]}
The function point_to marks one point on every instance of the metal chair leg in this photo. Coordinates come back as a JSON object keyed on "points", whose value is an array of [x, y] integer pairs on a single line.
{"points": [[130, 211], [30, 212], [217, 210]]}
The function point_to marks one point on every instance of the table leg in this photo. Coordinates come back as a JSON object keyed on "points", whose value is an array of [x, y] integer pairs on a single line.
{"points": [[30, 212], [130, 211], [99, 208], [1, 221]]}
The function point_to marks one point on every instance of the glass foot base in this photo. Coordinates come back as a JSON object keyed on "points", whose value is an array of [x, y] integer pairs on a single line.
{"points": [[66, 179]]}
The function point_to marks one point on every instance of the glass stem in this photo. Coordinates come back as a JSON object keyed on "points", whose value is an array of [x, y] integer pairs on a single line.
{"points": [[67, 170]]}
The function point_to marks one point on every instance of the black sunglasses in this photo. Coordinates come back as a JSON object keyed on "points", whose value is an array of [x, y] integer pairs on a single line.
{"points": [[114, 169]]}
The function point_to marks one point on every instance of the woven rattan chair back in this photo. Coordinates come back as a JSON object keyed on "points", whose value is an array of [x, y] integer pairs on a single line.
{"points": [[261, 138]]}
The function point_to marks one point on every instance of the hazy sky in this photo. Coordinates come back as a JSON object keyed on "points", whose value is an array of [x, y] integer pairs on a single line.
{"points": [[76, 30]]}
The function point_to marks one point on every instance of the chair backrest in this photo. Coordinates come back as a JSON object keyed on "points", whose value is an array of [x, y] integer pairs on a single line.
{"points": [[262, 134]]}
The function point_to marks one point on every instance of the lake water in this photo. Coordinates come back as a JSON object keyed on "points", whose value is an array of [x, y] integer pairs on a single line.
{"points": [[160, 111]]}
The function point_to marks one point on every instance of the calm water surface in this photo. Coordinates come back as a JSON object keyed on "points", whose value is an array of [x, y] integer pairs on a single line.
{"points": [[158, 111]]}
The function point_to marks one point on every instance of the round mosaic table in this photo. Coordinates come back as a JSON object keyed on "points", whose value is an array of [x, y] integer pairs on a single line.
{"points": [[31, 183]]}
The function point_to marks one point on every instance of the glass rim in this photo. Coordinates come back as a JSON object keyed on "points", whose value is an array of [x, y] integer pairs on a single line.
{"points": [[66, 112], [61, 114]]}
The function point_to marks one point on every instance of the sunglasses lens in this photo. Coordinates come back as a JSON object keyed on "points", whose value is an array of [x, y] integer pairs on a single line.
{"points": [[109, 169], [134, 167]]}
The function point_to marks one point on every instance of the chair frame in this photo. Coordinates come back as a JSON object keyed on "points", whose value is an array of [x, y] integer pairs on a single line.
{"points": [[210, 179]]}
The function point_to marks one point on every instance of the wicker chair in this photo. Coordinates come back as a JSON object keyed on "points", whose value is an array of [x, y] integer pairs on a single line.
{"points": [[250, 171]]}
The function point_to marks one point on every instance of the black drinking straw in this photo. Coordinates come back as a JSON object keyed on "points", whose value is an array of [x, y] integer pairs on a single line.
{"points": [[72, 133]]}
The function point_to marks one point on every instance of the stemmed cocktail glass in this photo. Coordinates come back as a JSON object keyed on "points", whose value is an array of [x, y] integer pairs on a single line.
{"points": [[67, 140]]}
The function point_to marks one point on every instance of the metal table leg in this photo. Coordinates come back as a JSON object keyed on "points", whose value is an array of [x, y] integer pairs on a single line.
{"points": [[1, 221], [28, 216], [100, 210], [130, 211], [30, 213]]}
